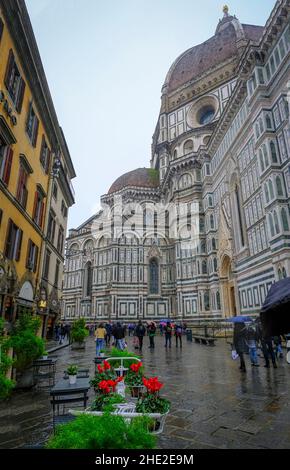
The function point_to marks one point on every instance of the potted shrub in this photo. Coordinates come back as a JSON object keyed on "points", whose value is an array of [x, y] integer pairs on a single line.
{"points": [[27, 347], [151, 402], [103, 432], [104, 372], [134, 379], [78, 334], [72, 371], [45, 355], [6, 384]]}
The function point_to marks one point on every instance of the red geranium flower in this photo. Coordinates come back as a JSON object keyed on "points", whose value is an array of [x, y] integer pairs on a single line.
{"points": [[100, 369], [136, 367], [106, 365], [153, 385]]}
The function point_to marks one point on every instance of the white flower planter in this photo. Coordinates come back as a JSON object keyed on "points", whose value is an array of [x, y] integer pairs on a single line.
{"points": [[72, 379]]}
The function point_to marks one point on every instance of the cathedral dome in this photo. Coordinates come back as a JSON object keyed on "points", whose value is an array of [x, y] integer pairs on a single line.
{"points": [[216, 50], [141, 177]]}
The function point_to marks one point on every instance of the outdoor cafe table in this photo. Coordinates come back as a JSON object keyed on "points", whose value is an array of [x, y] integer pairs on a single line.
{"points": [[63, 392]]}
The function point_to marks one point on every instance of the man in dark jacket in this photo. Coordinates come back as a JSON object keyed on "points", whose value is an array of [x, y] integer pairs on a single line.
{"points": [[140, 333], [240, 344], [266, 345], [119, 335]]}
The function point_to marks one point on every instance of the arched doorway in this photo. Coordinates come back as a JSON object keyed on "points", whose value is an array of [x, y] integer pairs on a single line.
{"points": [[228, 288]]}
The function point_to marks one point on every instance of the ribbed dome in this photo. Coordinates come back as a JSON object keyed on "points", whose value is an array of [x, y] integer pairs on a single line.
{"points": [[219, 48], [142, 178]]}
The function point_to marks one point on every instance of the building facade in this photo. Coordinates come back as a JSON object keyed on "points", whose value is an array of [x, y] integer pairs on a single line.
{"points": [[33, 158], [221, 143]]}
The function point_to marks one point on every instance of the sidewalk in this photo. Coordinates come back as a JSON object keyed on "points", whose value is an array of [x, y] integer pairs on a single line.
{"points": [[52, 345]]}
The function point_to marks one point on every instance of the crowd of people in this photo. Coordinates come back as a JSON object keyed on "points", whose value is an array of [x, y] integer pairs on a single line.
{"points": [[107, 334], [249, 337]]}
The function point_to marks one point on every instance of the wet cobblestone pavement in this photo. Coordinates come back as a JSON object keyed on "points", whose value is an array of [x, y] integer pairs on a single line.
{"points": [[214, 405]]}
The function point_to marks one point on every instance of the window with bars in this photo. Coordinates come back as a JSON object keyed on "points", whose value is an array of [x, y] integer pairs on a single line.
{"points": [[60, 239], [14, 82]]}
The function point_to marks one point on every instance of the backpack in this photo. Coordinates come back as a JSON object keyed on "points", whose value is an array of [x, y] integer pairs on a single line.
{"points": [[178, 330]]}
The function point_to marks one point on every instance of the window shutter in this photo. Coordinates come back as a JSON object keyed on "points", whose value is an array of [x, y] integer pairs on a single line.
{"points": [[41, 214], [28, 254], [8, 238], [35, 206], [42, 161], [10, 64], [1, 28], [8, 164], [20, 95], [35, 131], [35, 259], [18, 249]]}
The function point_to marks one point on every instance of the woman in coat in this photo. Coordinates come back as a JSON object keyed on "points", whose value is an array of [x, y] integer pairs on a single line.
{"points": [[240, 343]]}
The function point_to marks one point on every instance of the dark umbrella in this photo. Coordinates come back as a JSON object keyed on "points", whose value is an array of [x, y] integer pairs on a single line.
{"points": [[275, 313], [239, 319]]}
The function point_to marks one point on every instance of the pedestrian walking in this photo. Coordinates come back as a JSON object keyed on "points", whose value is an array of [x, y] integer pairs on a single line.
{"points": [[266, 346], [140, 332], [178, 335], [119, 335], [109, 329], [278, 346], [62, 333], [251, 338], [151, 334], [240, 343], [100, 334], [168, 334]]}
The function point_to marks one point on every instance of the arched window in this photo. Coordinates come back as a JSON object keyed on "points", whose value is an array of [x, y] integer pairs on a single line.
{"points": [[266, 193], [153, 277], [239, 216], [261, 161], [206, 301], [218, 300], [284, 274], [88, 280], [276, 222], [268, 122], [265, 153], [271, 225], [273, 152], [284, 218], [175, 154], [213, 244], [211, 221], [215, 265], [202, 246], [279, 186], [271, 190], [188, 147], [204, 267], [279, 274]]}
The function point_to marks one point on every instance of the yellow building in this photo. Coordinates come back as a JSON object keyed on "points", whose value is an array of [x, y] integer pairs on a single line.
{"points": [[29, 138]]}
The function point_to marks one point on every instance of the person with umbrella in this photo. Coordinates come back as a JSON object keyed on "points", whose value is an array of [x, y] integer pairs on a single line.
{"points": [[266, 345], [240, 343]]}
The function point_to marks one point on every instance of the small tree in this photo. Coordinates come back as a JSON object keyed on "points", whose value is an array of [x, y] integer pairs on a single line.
{"points": [[26, 344], [6, 385], [79, 331]]}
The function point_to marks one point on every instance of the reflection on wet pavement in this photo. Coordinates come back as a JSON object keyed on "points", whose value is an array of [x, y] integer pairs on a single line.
{"points": [[214, 405]]}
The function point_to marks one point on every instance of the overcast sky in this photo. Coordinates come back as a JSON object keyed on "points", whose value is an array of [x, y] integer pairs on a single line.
{"points": [[105, 62]]}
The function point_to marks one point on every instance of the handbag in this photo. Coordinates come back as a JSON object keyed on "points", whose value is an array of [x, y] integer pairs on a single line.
{"points": [[234, 354]]}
